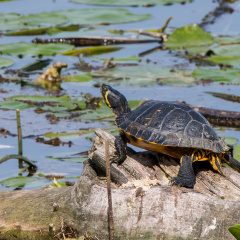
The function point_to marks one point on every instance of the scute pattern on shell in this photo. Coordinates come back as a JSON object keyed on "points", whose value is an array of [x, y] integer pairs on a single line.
{"points": [[171, 124]]}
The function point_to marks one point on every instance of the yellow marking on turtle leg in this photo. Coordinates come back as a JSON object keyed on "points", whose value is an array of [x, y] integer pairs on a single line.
{"points": [[216, 163], [199, 155]]}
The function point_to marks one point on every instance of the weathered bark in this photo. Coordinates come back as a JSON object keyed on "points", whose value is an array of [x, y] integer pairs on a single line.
{"points": [[145, 206], [219, 117]]}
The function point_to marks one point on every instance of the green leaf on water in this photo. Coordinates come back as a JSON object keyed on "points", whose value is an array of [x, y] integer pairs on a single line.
{"points": [[236, 152], [56, 183], [16, 22], [126, 2], [5, 62], [42, 31], [38, 98], [103, 112], [37, 65], [235, 231], [13, 105], [189, 36], [226, 54], [69, 157], [20, 181], [50, 103], [230, 140], [231, 75], [91, 51], [33, 49], [68, 136], [126, 59], [146, 75], [41, 175], [77, 78], [227, 40]]}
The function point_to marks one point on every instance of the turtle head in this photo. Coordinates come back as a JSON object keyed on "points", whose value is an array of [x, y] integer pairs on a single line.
{"points": [[115, 100]]}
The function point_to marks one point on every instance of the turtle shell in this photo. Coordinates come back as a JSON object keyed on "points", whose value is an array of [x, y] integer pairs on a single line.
{"points": [[170, 124]]}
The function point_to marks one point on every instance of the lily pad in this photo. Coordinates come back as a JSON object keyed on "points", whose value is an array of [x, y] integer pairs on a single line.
{"points": [[189, 36], [14, 21], [236, 152], [38, 98], [231, 75], [226, 54], [126, 59], [5, 62], [51, 103], [92, 51], [104, 112], [69, 157], [227, 40], [42, 31], [37, 65], [67, 136], [13, 105], [230, 140], [77, 78], [235, 231], [20, 181], [126, 2], [147, 75], [34, 49]]}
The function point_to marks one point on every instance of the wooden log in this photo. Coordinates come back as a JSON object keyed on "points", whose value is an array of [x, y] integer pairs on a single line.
{"points": [[145, 206]]}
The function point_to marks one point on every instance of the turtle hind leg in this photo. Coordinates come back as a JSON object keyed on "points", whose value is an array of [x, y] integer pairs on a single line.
{"points": [[233, 163], [186, 176], [121, 151], [215, 161]]}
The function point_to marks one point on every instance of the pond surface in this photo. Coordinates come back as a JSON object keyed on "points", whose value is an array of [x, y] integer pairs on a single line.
{"points": [[163, 74]]}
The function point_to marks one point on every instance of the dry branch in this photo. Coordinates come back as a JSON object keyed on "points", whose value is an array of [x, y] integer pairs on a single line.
{"points": [[95, 41]]}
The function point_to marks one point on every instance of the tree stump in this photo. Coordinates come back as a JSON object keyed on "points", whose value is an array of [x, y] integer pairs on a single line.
{"points": [[145, 206]]}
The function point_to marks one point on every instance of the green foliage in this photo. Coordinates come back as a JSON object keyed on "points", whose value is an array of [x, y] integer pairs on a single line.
{"points": [[236, 152], [230, 140], [5, 62], [146, 75], [235, 231], [226, 54], [189, 36], [33, 49], [231, 75], [20, 181], [16, 22], [92, 51], [77, 78], [13, 105]]}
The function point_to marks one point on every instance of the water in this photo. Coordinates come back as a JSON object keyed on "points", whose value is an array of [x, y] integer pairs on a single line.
{"points": [[38, 124]]}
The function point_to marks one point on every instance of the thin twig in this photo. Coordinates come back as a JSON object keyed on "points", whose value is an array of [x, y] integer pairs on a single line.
{"points": [[15, 156], [110, 212], [19, 130]]}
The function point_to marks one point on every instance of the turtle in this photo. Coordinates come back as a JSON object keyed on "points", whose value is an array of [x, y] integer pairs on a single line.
{"points": [[170, 128]]}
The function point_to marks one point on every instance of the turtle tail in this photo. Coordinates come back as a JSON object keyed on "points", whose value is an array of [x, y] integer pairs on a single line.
{"points": [[233, 163]]}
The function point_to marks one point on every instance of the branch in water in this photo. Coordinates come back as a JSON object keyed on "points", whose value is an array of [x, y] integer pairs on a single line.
{"points": [[95, 41]]}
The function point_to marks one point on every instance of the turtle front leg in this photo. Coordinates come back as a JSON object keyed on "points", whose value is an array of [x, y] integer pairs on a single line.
{"points": [[186, 176], [121, 150]]}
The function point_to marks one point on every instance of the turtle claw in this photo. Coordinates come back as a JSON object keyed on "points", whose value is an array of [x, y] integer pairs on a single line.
{"points": [[182, 182], [115, 160]]}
